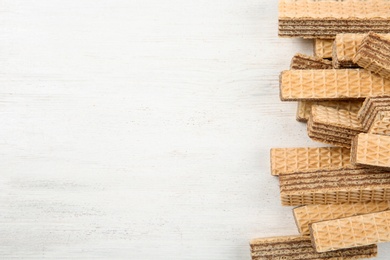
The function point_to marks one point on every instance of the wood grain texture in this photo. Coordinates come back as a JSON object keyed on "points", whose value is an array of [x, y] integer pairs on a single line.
{"points": [[142, 129]]}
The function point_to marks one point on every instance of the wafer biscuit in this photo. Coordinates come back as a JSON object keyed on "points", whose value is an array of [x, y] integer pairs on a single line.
{"points": [[309, 159], [370, 108], [332, 187], [306, 215], [381, 125], [302, 61], [351, 232], [299, 247], [335, 124], [331, 84], [370, 149], [325, 19], [304, 107], [373, 54], [345, 47], [323, 48]]}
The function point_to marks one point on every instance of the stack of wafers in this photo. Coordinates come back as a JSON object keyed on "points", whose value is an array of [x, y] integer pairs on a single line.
{"points": [[341, 191]]}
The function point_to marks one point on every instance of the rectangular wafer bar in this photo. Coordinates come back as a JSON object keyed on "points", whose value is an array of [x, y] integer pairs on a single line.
{"points": [[371, 149], [332, 187], [373, 54], [351, 232], [325, 19], [323, 48], [302, 61], [299, 247], [370, 108], [309, 159], [331, 84], [306, 215]]}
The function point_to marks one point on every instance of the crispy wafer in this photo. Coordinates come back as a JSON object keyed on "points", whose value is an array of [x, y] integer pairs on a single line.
{"points": [[302, 61], [370, 108], [306, 215], [332, 187], [331, 84], [325, 19], [335, 124], [351, 232], [381, 125], [373, 54], [323, 48], [309, 159], [371, 149], [299, 247]]}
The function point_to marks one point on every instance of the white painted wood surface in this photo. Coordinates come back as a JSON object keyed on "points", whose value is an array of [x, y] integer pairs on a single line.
{"points": [[142, 129]]}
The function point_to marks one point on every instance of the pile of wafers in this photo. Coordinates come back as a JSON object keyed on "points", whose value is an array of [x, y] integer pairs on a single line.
{"points": [[341, 191]]}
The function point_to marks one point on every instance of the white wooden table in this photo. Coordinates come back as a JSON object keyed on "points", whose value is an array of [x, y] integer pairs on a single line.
{"points": [[142, 129]]}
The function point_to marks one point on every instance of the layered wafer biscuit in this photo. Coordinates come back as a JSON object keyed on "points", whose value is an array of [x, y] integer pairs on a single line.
{"points": [[299, 247], [373, 54], [325, 19], [303, 110], [351, 232], [323, 48], [370, 109], [345, 47], [381, 125], [333, 187], [309, 159], [334, 124], [331, 84], [306, 215], [302, 61], [370, 149]]}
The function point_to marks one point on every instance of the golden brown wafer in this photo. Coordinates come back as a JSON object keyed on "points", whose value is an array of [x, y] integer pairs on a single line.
{"points": [[306, 215], [299, 247], [373, 54], [381, 125], [323, 48], [325, 19], [309, 159], [371, 149], [301, 62], [351, 232], [331, 84], [370, 108], [332, 187]]}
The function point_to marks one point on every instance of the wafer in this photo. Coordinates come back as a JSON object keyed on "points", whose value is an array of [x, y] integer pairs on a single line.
{"points": [[345, 46], [299, 247], [373, 54], [351, 232], [332, 187], [323, 48], [325, 19], [306, 215], [370, 108], [331, 84], [302, 61], [335, 124], [370, 149], [381, 125], [309, 159]]}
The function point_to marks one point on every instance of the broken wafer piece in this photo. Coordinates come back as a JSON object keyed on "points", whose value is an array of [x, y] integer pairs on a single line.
{"points": [[323, 48], [299, 247], [325, 19], [336, 186], [309, 159], [302, 61], [373, 54], [381, 124], [330, 84], [372, 150], [351, 232], [306, 215]]}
